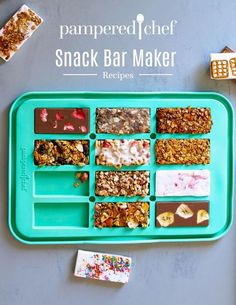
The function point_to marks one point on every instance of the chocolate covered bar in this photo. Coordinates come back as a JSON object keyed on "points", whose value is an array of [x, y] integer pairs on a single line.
{"points": [[182, 214], [17, 30], [123, 120], [122, 214], [122, 152], [182, 183], [182, 151], [183, 120], [223, 65], [61, 152], [102, 266], [123, 183], [61, 120]]}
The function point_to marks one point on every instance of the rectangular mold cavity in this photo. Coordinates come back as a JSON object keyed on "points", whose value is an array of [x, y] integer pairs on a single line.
{"points": [[73, 214], [59, 183]]}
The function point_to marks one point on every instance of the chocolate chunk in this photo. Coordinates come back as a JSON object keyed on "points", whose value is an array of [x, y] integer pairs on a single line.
{"points": [[62, 120], [182, 214]]}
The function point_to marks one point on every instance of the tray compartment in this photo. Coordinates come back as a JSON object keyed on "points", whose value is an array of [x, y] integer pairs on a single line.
{"points": [[59, 183], [62, 214]]}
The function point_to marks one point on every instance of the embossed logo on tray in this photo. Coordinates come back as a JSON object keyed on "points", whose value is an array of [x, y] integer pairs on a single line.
{"points": [[24, 177]]}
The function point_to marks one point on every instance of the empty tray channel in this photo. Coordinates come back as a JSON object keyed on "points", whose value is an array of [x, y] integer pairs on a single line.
{"points": [[59, 183], [67, 214]]}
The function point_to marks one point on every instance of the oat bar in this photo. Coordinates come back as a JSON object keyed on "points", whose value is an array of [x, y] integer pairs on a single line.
{"points": [[182, 151], [122, 214], [17, 30], [123, 183], [61, 152], [123, 120], [122, 152], [183, 120]]}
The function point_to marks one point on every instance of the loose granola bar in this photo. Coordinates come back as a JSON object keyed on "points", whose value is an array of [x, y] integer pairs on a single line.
{"points": [[125, 183], [182, 151], [122, 214], [17, 30], [122, 152], [123, 120], [184, 120], [61, 152]]}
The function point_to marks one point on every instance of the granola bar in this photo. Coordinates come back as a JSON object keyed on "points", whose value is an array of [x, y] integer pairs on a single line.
{"points": [[125, 183], [61, 152], [122, 214], [184, 120], [17, 30], [123, 120], [122, 152], [182, 151]]}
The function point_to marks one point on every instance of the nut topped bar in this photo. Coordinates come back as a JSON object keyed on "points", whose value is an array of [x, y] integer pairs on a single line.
{"points": [[122, 152], [122, 214], [61, 152], [183, 151], [123, 120], [124, 183], [17, 30], [184, 120]]}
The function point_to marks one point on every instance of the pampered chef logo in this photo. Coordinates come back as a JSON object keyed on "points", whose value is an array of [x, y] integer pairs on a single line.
{"points": [[137, 28], [24, 177], [88, 62]]}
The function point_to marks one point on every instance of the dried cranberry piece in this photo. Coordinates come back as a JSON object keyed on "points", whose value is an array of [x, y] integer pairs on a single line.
{"points": [[42, 149], [59, 116], [78, 113]]}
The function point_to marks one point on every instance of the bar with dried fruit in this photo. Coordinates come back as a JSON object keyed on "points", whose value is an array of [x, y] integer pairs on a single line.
{"points": [[61, 152], [184, 120], [123, 183], [122, 152], [123, 120], [182, 151], [122, 214]]}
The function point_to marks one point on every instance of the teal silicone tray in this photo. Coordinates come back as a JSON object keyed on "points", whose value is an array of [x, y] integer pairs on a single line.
{"points": [[45, 207]]}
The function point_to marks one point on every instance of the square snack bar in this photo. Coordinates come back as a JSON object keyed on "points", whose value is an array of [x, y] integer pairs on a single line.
{"points": [[184, 120], [183, 151], [123, 183], [102, 266], [122, 152], [61, 120], [182, 214], [121, 214], [182, 183], [17, 30], [61, 152], [223, 65], [123, 120]]}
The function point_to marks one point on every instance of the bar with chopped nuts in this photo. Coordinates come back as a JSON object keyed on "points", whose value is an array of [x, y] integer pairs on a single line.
{"points": [[182, 151], [184, 120], [122, 152], [123, 120], [123, 183], [122, 214], [17, 30], [61, 152], [61, 120], [182, 214]]}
